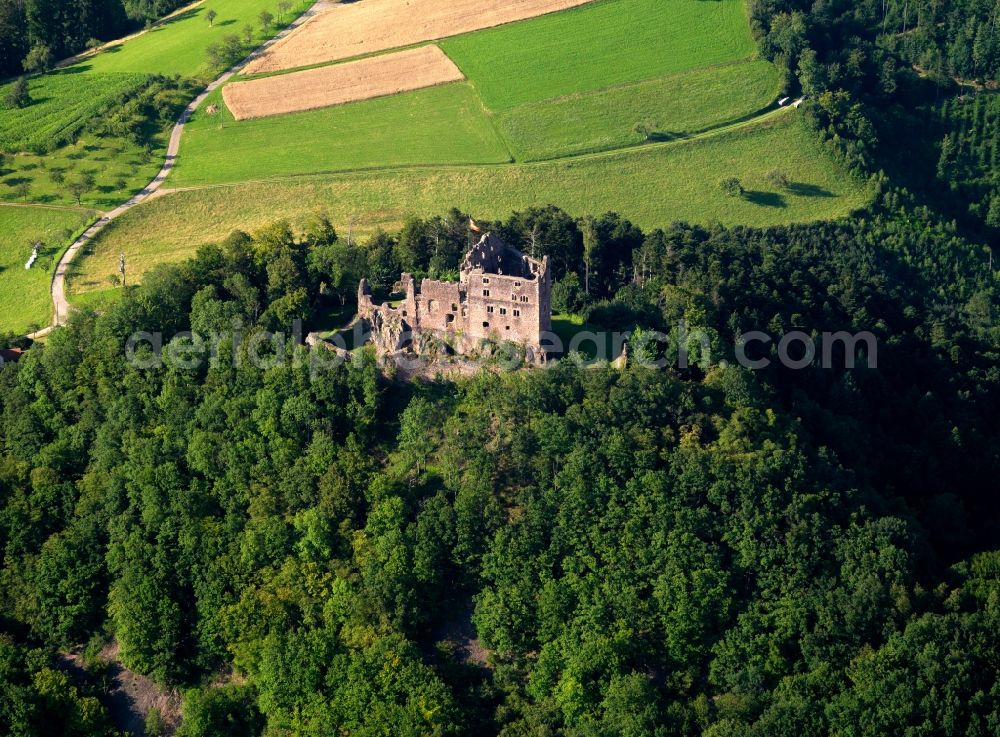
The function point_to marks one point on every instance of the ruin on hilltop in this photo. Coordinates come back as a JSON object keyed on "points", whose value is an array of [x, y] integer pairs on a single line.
{"points": [[502, 295]]}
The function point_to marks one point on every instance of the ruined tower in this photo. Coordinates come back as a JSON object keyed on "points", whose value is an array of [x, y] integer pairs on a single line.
{"points": [[501, 295]]}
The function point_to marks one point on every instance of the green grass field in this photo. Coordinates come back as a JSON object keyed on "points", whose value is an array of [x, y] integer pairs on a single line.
{"points": [[601, 45], [448, 125], [119, 168], [24, 294], [178, 44], [439, 125], [665, 108], [63, 102], [652, 185], [459, 124]]}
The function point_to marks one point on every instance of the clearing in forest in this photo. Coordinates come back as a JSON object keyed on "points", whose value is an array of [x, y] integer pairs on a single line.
{"points": [[355, 29], [364, 79]]}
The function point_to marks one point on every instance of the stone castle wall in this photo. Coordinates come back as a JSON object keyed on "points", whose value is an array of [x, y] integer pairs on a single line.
{"points": [[502, 295]]}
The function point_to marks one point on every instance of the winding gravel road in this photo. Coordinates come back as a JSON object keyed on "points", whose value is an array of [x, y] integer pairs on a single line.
{"points": [[59, 301]]}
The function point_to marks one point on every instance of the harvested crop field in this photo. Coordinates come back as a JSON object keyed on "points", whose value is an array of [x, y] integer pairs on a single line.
{"points": [[352, 81], [355, 29]]}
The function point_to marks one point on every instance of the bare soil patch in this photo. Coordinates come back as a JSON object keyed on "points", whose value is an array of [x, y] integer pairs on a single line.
{"points": [[354, 29], [334, 85], [131, 696]]}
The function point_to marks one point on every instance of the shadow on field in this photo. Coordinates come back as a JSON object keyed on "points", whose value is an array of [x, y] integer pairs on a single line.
{"points": [[176, 18], [76, 68], [766, 199], [663, 136], [809, 190]]}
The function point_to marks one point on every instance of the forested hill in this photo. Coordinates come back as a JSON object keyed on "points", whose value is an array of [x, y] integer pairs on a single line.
{"points": [[645, 552], [41, 31]]}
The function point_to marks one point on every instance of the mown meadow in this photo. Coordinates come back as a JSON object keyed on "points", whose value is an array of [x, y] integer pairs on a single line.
{"points": [[651, 185], [599, 45], [656, 109], [440, 125], [565, 85], [24, 293]]}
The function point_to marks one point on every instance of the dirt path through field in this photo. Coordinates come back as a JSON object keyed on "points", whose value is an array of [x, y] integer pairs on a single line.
{"points": [[355, 29]]}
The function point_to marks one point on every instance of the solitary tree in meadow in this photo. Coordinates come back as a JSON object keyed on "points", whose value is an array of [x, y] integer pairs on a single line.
{"points": [[266, 19], [248, 34], [732, 187], [77, 190], [283, 7], [18, 96], [22, 190], [778, 178], [210, 16]]}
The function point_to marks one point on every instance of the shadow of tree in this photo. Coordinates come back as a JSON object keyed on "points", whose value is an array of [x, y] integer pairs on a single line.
{"points": [[663, 136], [766, 199], [75, 69], [801, 189], [166, 22]]}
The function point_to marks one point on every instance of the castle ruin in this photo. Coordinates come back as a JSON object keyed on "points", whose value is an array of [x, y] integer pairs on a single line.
{"points": [[501, 295]]}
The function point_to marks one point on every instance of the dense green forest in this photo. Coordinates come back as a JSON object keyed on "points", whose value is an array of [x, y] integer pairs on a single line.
{"points": [[640, 552], [35, 33], [580, 551]]}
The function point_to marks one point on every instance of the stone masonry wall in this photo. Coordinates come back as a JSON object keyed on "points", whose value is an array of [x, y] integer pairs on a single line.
{"points": [[502, 295]]}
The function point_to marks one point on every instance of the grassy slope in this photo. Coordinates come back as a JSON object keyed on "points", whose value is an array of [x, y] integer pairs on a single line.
{"points": [[652, 185], [64, 97], [669, 107], [447, 125], [178, 45], [443, 124], [596, 46], [24, 295], [62, 103], [108, 161], [175, 47]]}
